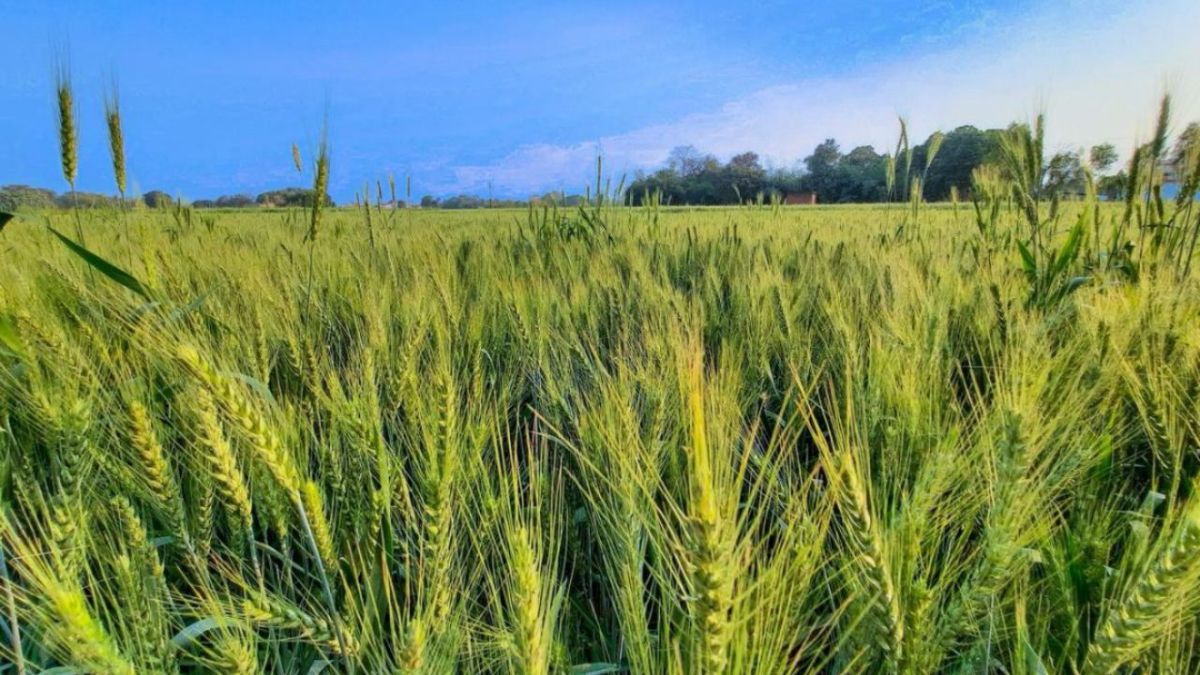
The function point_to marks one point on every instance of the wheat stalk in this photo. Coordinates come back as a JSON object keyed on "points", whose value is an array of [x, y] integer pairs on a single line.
{"points": [[320, 187], [310, 496], [116, 140], [530, 616], [262, 439], [68, 624], [153, 463], [1133, 624], [273, 612], [141, 575], [68, 140], [710, 548], [221, 462], [235, 656]]}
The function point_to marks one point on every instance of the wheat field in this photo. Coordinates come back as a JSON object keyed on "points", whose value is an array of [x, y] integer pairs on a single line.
{"points": [[901, 438]]}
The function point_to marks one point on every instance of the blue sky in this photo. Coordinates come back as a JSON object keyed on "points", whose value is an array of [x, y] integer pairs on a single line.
{"points": [[519, 96]]}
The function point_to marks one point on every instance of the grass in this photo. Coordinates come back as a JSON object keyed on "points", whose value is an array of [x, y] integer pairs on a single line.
{"points": [[654, 440]]}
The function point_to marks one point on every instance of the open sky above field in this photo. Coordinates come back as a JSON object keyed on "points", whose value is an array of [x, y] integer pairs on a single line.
{"points": [[519, 97]]}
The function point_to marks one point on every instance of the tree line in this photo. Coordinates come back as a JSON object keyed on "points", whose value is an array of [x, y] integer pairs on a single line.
{"points": [[860, 175], [26, 197]]}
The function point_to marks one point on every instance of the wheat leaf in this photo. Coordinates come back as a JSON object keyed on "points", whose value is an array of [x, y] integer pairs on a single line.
{"points": [[102, 266]]}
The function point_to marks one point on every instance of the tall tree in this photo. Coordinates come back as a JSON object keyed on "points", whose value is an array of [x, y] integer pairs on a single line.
{"points": [[1188, 138], [1102, 157], [1064, 175], [860, 176], [822, 170], [745, 175], [962, 150], [686, 160], [157, 198]]}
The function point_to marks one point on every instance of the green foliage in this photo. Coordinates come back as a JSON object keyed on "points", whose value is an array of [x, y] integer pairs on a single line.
{"points": [[157, 199], [962, 151], [103, 266], [226, 202], [85, 200], [1050, 279], [1102, 157], [1065, 175], [289, 197], [25, 198], [861, 175]]}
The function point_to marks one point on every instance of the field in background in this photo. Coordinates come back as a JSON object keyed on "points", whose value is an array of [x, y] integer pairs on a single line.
{"points": [[751, 440]]}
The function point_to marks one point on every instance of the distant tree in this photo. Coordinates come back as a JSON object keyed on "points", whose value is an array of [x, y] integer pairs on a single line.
{"points": [[1112, 187], [963, 149], [824, 157], [429, 202], [555, 197], [463, 202], [686, 160], [860, 176], [1188, 138], [709, 185], [25, 197], [664, 182], [1064, 175], [710, 182], [85, 200], [291, 197], [157, 198], [235, 201], [1102, 157], [822, 166], [784, 181], [692, 177], [226, 202], [746, 161], [746, 176]]}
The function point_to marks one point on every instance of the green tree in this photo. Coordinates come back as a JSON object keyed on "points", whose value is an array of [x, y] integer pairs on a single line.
{"points": [[157, 198], [1112, 187], [25, 197], [963, 149], [293, 196], [746, 175], [686, 160], [1187, 139], [707, 184], [463, 202], [1102, 157], [85, 200], [821, 166], [1064, 175], [860, 176], [234, 201]]}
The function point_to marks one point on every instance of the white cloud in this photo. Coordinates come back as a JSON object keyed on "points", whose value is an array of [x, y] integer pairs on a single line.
{"points": [[1096, 68]]}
